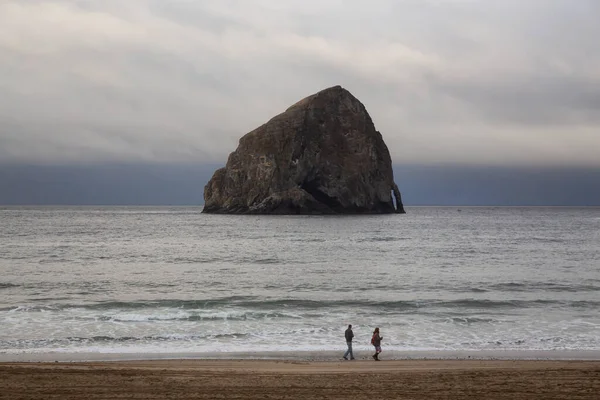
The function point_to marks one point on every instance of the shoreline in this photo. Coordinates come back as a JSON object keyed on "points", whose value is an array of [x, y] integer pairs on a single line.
{"points": [[305, 356]]}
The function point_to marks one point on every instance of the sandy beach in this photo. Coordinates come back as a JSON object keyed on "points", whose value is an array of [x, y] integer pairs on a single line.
{"points": [[245, 379]]}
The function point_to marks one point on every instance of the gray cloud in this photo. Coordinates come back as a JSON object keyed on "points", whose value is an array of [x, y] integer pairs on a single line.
{"points": [[466, 82]]}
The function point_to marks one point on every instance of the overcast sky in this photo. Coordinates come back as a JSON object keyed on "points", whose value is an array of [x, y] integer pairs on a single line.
{"points": [[505, 82]]}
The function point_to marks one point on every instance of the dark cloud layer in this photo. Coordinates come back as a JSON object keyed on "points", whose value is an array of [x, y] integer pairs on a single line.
{"points": [[500, 82], [151, 184]]}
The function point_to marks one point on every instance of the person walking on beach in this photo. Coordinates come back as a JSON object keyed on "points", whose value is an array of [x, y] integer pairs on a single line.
{"points": [[376, 341], [349, 336]]}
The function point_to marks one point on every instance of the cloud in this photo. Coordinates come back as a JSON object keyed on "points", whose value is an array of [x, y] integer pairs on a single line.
{"points": [[475, 82]]}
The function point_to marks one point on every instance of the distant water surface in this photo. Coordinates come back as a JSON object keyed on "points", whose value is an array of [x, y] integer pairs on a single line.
{"points": [[157, 280]]}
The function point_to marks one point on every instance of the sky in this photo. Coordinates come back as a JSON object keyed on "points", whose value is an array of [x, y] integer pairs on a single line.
{"points": [[474, 84]]}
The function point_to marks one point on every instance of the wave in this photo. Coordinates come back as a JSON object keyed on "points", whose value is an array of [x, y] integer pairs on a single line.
{"points": [[252, 303], [543, 286], [88, 288], [468, 320], [217, 316], [193, 260], [104, 339], [382, 239], [6, 285], [47, 299], [264, 261], [152, 285], [474, 290], [456, 289], [420, 304], [546, 239]]}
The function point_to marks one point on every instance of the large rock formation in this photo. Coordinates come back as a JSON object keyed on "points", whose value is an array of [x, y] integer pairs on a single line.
{"points": [[321, 156]]}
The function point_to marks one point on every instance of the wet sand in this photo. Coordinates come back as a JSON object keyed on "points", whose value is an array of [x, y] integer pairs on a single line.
{"points": [[244, 379]]}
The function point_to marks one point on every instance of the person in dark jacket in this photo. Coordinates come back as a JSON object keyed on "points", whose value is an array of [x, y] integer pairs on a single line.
{"points": [[349, 336], [376, 341]]}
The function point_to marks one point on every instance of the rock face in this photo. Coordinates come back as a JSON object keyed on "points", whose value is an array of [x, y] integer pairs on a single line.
{"points": [[321, 156]]}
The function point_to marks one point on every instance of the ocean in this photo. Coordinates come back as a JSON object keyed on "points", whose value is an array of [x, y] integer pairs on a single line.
{"points": [[155, 281]]}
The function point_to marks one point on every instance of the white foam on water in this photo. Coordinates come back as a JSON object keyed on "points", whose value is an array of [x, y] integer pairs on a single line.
{"points": [[159, 331]]}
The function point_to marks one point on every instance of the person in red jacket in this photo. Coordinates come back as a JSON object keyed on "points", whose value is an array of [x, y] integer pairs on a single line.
{"points": [[376, 341]]}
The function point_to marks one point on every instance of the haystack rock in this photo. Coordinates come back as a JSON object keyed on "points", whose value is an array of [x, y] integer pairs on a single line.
{"points": [[321, 156]]}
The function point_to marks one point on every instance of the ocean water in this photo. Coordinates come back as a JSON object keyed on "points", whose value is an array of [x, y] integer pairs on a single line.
{"points": [[172, 280]]}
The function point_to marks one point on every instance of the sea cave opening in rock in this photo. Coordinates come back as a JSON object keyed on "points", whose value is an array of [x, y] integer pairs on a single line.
{"points": [[312, 188]]}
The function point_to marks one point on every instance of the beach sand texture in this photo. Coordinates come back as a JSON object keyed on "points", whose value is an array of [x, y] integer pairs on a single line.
{"points": [[228, 379]]}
